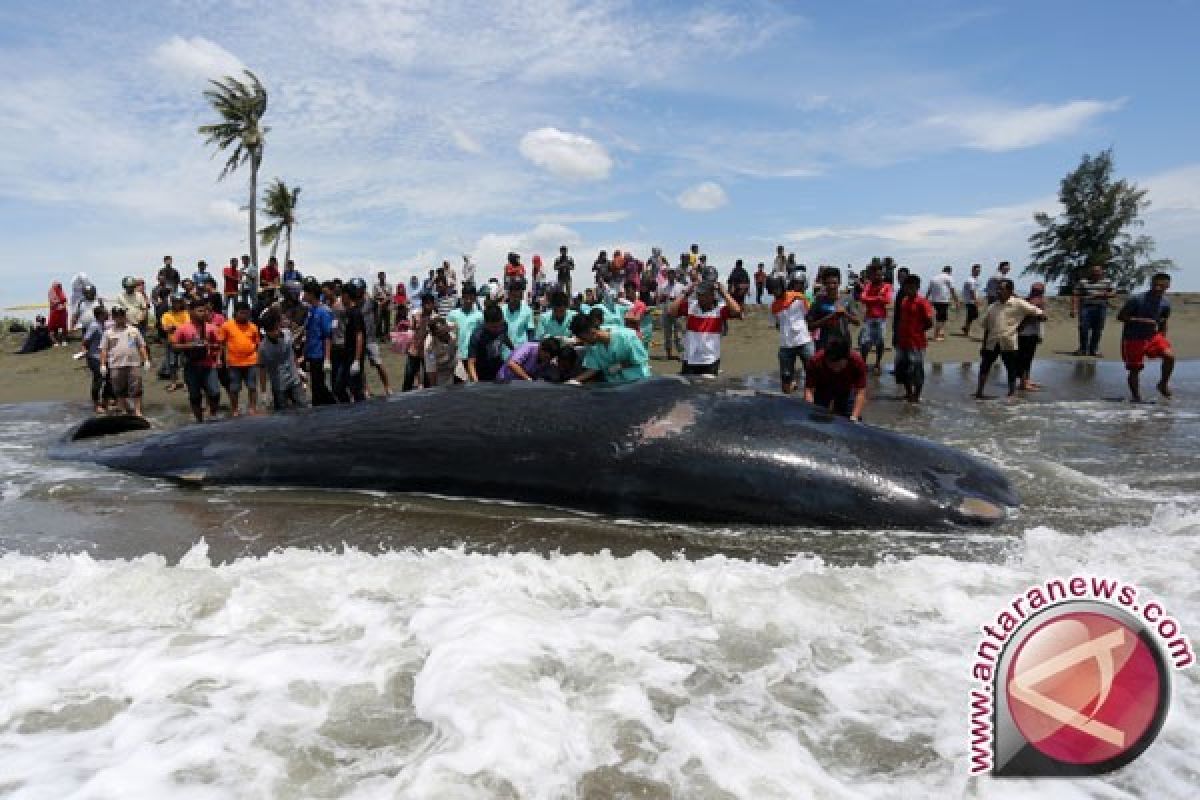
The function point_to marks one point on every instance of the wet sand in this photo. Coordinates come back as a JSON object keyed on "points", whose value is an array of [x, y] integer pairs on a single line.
{"points": [[749, 349]]}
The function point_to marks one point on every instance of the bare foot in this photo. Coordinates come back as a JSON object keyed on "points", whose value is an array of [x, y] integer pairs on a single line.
{"points": [[234, 413]]}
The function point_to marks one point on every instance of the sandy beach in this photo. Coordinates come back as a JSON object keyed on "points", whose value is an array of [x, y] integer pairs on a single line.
{"points": [[749, 349]]}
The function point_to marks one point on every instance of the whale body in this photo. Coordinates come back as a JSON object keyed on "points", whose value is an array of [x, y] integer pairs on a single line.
{"points": [[662, 449]]}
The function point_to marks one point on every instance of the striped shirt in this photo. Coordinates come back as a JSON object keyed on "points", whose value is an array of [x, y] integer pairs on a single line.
{"points": [[702, 342], [1092, 293]]}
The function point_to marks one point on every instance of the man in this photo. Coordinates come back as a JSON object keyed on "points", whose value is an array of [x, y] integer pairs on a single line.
{"points": [[790, 311], [93, 340], [1145, 335], [239, 340], [199, 341], [514, 271], [633, 311], [370, 313], [451, 276], [614, 355], [914, 316], [489, 343], [992, 290], [1000, 326], [83, 314], [420, 321], [970, 298], [249, 279], [564, 265], [348, 381], [1090, 303], [875, 296], [705, 321], [694, 256], [739, 282], [517, 314], [135, 302], [160, 302], [381, 293], [940, 293], [170, 322], [529, 361], [465, 320], [828, 318], [318, 344], [556, 323], [277, 364], [232, 280], [441, 354], [668, 293], [291, 274], [760, 283], [168, 275], [837, 380], [468, 270], [201, 275], [443, 297], [779, 267], [270, 280]]}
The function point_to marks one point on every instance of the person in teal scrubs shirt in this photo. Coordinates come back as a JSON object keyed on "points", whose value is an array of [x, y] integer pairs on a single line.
{"points": [[614, 355]]}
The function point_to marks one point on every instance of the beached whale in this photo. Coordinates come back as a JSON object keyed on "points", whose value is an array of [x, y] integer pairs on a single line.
{"points": [[663, 449]]}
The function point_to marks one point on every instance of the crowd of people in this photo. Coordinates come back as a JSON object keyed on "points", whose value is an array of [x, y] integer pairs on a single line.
{"points": [[288, 340]]}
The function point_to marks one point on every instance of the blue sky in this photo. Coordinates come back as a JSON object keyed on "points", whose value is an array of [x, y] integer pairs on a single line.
{"points": [[419, 130]]}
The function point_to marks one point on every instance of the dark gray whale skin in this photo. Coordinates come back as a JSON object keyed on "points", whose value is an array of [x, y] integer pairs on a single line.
{"points": [[663, 449]]}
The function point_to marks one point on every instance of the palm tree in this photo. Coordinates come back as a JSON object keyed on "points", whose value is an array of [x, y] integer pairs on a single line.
{"points": [[279, 203], [240, 104]]}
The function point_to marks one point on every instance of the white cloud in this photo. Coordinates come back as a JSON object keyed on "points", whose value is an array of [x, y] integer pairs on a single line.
{"points": [[567, 155], [584, 216], [544, 239], [998, 130], [196, 58], [706, 196]]}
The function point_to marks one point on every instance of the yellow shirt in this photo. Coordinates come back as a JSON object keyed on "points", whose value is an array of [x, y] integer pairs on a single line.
{"points": [[173, 319]]}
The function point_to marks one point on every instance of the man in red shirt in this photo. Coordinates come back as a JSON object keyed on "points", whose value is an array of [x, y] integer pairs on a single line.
{"points": [[836, 380], [232, 278], [200, 343], [914, 316], [268, 280], [876, 296]]}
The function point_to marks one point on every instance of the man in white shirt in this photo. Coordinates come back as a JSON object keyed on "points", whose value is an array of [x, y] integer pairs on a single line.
{"points": [[790, 311], [1000, 326], [940, 293], [706, 319], [668, 292]]}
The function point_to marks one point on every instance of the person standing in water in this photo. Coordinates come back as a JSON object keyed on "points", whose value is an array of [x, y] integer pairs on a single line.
{"points": [[941, 293], [1029, 336], [1145, 335], [914, 316], [1000, 327]]}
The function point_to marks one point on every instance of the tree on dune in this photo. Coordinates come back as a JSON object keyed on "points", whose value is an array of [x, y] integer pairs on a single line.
{"points": [[1095, 228], [240, 104], [279, 204]]}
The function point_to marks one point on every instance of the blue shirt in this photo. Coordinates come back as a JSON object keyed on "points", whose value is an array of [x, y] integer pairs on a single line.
{"points": [[548, 326], [318, 329], [466, 322], [520, 322], [1144, 305], [622, 360]]}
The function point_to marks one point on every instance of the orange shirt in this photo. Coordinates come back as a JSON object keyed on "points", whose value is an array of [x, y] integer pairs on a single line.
{"points": [[241, 343]]}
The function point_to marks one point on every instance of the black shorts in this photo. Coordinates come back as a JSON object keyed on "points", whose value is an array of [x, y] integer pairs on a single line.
{"points": [[702, 369], [972, 312], [942, 311]]}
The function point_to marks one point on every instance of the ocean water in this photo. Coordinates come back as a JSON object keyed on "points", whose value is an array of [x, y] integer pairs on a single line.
{"points": [[159, 642]]}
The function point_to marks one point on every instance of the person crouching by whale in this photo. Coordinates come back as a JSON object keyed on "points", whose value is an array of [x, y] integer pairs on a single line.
{"points": [[837, 380], [489, 343], [706, 320], [614, 354], [529, 361]]}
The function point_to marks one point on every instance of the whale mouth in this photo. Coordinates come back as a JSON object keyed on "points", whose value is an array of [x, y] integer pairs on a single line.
{"points": [[978, 510]]}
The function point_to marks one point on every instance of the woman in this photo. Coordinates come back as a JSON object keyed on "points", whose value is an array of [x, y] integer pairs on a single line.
{"points": [[57, 321], [1029, 336]]}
